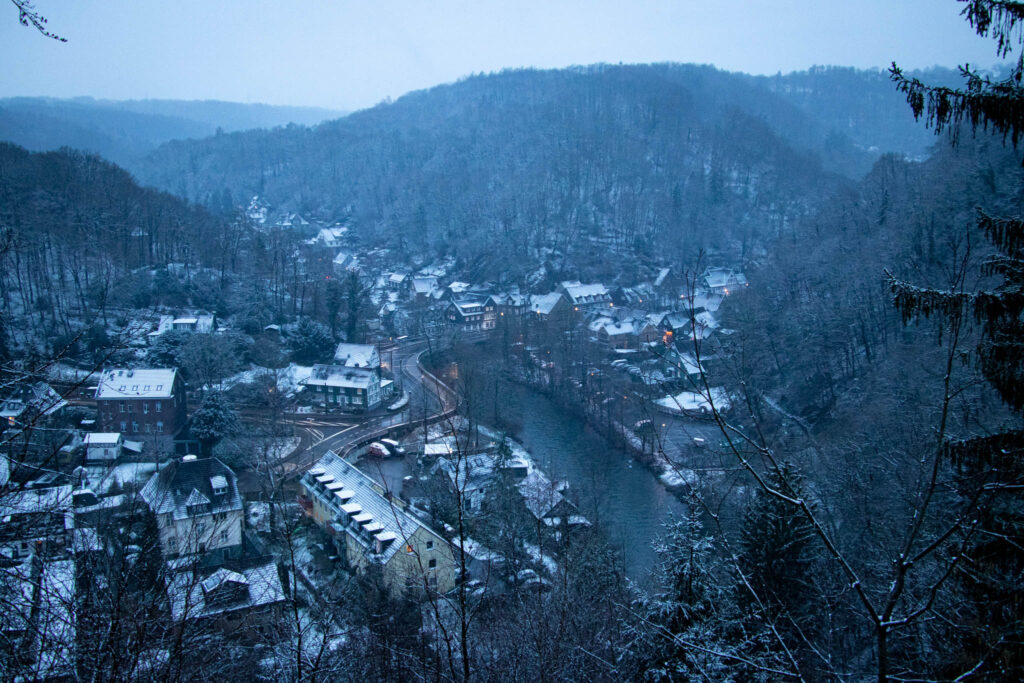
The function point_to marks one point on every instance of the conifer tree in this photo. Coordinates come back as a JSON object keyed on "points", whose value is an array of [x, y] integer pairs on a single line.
{"points": [[992, 575]]}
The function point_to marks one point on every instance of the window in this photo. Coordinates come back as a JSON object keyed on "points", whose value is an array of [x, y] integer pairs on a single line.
{"points": [[200, 527], [432, 564], [145, 407], [135, 388], [159, 427], [159, 387], [430, 544], [124, 426], [135, 427], [156, 406], [172, 543], [147, 427], [122, 406], [224, 536]]}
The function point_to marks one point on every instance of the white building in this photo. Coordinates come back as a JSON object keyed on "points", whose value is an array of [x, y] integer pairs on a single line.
{"points": [[103, 447], [197, 505], [345, 387]]}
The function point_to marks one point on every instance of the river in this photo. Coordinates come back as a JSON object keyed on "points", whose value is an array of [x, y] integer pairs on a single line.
{"points": [[612, 489]]}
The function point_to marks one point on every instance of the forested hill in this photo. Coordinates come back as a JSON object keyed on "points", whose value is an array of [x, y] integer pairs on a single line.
{"points": [[659, 157], [123, 131], [72, 225]]}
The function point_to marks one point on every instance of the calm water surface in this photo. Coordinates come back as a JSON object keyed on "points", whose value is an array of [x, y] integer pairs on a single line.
{"points": [[623, 496]]}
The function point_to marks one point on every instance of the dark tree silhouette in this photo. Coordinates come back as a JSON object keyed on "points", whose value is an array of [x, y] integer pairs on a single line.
{"points": [[28, 15]]}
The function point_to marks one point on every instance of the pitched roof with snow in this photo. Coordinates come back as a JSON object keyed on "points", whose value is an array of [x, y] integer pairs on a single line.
{"points": [[579, 293], [340, 376], [188, 482], [363, 496], [357, 355], [543, 304], [540, 494], [224, 590], [120, 383]]}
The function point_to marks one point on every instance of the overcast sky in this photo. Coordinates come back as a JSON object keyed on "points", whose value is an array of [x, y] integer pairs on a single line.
{"points": [[348, 54]]}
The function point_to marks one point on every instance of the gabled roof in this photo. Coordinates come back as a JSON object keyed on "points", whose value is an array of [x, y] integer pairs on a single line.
{"points": [[340, 376], [103, 439], [397, 526], [119, 383], [579, 293], [357, 355], [540, 495], [252, 587], [543, 304], [186, 482]]}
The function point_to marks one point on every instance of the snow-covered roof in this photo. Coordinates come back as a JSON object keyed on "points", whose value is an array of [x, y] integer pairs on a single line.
{"points": [[27, 501], [189, 482], [340, 376], [357, 355], [120, 383], [424, 285], [396, 525], [543, 304], [103, 439], [579, 293], [224, 590], [540, 494]]}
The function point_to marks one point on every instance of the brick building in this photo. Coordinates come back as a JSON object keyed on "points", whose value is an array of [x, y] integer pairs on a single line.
{"points": [[143, 403]]}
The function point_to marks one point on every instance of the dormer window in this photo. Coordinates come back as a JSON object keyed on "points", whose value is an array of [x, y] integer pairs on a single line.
{"points": [[219, 484]]}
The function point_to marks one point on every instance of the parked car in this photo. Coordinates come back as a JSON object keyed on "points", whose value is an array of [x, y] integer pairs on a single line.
{"points": [[378, 450], [393, 447]]}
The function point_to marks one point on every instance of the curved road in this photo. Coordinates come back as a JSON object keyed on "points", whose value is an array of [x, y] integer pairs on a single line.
{"points": [[428, 400]]}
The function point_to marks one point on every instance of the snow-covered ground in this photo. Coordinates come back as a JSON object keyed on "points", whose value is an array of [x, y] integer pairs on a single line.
{"points": [[289, 379], [691, 401], [537, 556]]}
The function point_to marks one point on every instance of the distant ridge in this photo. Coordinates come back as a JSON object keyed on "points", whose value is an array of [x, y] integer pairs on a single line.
{"points": [[124, 131]]}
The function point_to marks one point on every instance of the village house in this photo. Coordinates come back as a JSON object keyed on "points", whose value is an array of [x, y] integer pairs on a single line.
{"points": [[357, 356], [36, 521], [511, 303], [473, 475], [202, 323], [629, 332], [583, 297], [333, 238], [723, 280], [103, 447], [370, 528], [400, 283], [545, 502], [352, 388], [197, 506], [244, 602], [345, 263], [147, 402], [472, 315], [29, 400], [548, 306], [423, 289]]}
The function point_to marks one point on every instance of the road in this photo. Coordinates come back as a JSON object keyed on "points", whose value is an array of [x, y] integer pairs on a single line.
{"points": [[344, 433]]}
